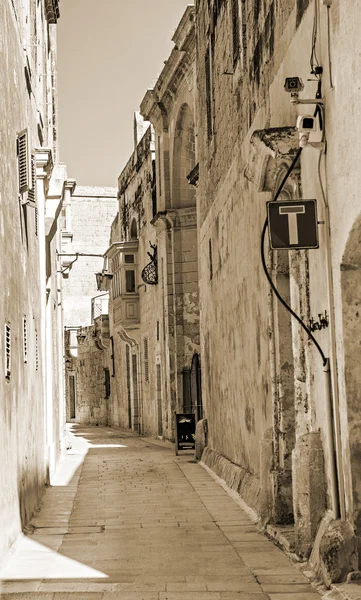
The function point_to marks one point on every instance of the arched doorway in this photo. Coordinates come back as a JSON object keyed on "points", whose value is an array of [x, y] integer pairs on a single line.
{"points": [[351, 318]]}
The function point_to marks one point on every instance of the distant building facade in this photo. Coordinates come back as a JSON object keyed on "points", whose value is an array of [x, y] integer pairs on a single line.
{"points": [[85, 228], [154, 305], [32, 187]]}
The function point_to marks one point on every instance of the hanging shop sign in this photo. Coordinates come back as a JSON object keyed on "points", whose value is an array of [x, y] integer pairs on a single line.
{"points": [[293, 225]]}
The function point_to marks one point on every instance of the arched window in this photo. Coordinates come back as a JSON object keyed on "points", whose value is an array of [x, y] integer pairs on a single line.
{"points": [[183, 159], [133, 230]]}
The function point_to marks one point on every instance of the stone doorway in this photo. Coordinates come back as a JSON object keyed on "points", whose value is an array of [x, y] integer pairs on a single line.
{"points": [[351, 317]]}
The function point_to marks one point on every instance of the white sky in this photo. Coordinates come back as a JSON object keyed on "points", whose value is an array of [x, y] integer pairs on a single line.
{"points": [[109, 53]]}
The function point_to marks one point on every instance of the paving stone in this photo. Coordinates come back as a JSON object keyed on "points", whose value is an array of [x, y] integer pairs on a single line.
{"points": [[78, 596], [147, 526], [243, 596], [284, 588], [139, 595], [189, 596], [27, 596], [296, 596], [234, 586]]}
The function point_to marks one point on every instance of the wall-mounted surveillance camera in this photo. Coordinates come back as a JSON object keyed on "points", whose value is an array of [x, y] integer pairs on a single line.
{"points": [[306, 123], [293, 85]]}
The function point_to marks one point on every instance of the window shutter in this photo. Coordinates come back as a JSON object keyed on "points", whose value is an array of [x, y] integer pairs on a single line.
{"points": [[7, 351], [24, 162], [36, 351], [209, 99], [146, 361], [32, 190], [25, 340], [235, 31]]}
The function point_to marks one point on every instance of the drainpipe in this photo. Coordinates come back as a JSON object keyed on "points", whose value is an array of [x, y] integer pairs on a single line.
{"points": [[333, 416]]}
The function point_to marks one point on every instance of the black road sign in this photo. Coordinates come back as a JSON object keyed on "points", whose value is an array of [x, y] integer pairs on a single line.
{"points": [[293, 225]]}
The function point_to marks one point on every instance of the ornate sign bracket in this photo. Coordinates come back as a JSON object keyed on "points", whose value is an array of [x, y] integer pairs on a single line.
{"points": [[150, 271]]}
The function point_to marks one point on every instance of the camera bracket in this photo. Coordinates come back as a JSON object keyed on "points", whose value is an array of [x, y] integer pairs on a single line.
{"points": [[297, 100]]}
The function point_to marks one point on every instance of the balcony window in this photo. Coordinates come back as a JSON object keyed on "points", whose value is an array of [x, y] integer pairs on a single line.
{"points": [[130, 281]]}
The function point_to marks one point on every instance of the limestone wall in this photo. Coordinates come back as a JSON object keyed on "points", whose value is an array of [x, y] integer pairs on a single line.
{"points": [[27, 55], [93, 386], [90, 213], [247, 346]]}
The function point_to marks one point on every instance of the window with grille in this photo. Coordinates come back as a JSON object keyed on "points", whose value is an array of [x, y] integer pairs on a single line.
{"points": [[32, 190], [24, 161], [7, 351], [25, 340], [235, 31], [210, 259], [116, 281], [130, 281], [209, 90], [107, 383], [146, 360], [36, 221]]}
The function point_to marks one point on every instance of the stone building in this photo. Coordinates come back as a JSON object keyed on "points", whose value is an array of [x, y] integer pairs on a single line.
{"points": [[86, 217], [152, 264], [32, 187], [170, 107], [283, 422]]}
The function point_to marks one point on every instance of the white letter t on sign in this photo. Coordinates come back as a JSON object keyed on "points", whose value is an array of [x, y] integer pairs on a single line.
{"points": [[292, 212]]}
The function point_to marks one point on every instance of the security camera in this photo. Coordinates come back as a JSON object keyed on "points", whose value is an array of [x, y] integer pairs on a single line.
{"points": [[293, 85], [306, 123]]}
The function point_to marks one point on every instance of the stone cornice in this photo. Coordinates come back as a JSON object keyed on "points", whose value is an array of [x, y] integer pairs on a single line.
{"points": [[70, 185], [178, 65], [278, 143], [44, 163], [124, 246], [176, 218], [125, 337], [181, 34]]}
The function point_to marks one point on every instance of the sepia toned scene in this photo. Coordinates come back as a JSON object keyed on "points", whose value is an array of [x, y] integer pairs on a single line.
{"points": [[180, 314]]}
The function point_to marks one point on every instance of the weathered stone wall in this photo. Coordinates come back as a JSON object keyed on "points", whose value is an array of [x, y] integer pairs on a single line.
{"points": [[243, 389], [24, 449], [92, 399], [89, 215], [170, 107], [139, 403]]}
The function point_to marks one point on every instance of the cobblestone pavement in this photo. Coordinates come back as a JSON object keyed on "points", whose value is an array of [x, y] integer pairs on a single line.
{"points": [[125, 519]]}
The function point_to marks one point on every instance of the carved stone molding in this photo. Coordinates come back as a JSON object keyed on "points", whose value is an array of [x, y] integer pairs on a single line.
{"points": [[125, 337], [269, 149]]}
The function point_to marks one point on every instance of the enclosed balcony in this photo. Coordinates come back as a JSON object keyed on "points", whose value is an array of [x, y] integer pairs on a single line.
{"points": [[123, 258]]}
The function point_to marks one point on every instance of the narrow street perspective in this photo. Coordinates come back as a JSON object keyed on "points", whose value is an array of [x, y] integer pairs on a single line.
{"points": [[180, 300], [135, 522]]}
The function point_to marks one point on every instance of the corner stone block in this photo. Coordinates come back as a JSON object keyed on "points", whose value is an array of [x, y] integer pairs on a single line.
{"points": [[201, 437], [309, 490], [338, 552], [266, 469]]}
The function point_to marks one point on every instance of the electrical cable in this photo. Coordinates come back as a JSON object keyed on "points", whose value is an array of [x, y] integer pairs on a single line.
{"points": [[264, 265], [329, 48], [314, 62]]}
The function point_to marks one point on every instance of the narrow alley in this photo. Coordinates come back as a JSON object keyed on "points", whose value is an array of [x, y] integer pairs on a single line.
{"points": [[126, 519]]}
